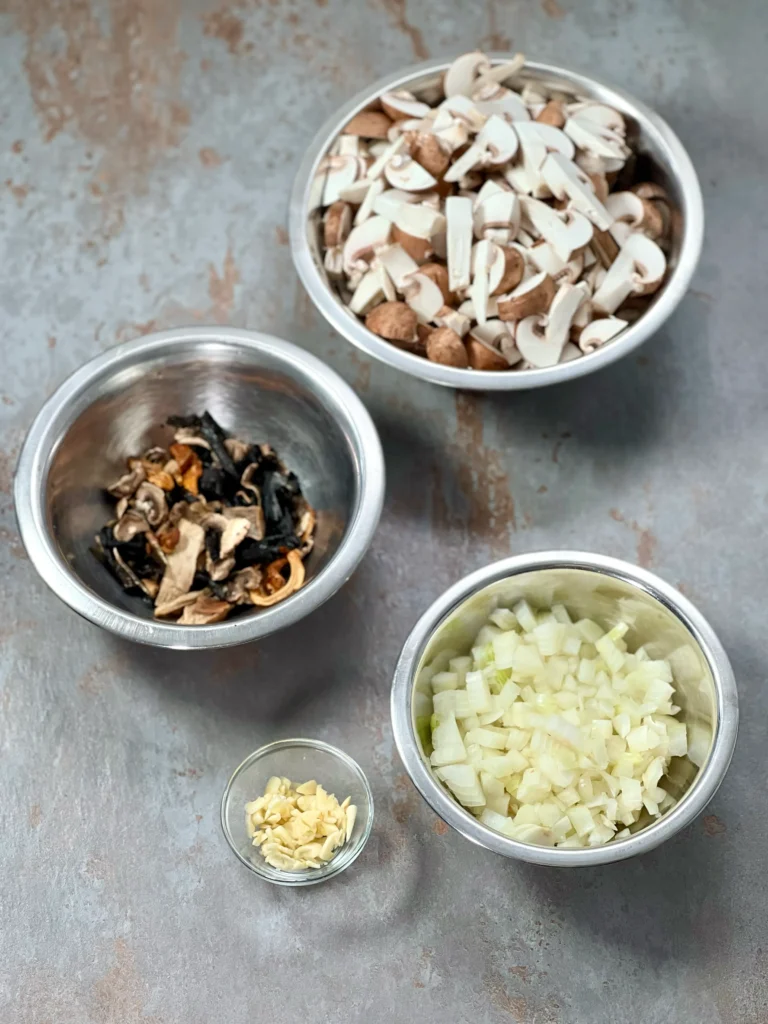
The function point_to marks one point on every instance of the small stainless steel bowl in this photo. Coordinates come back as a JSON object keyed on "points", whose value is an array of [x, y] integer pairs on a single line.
{"points": [[668, 163], [607, 590], [260, 388]]}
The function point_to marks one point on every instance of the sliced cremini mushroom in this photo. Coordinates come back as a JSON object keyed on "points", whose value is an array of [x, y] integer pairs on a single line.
{"points": [[566, 180], [403, 172], [128, 525], [267, 596], [423, 296], [363, 241], [446, 347], [433, 155], [397, 263], [181, 563], [493, 99], [596, 333], [389, 152], [150, 501], [438, 273], [126, 486], [458, 109], [514, 269], [552, 113], [566, 232], [630, 213], [458, 213], [461, 76], [605, 247], [541, 339], [457, 321], [531, 298], [402, 104], [375, 287], [497, 217], [337, 223], [395, 321], [638, 269], [595, 139], [369, 124], [341, 171], [482, 353]]}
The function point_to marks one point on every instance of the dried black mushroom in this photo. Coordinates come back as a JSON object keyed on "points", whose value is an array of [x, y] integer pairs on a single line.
{"points": [[208, 525]]}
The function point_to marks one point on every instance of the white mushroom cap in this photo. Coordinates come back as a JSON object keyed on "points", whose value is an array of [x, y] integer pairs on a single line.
{"points": [[639, 268], [363, 240], [565, 179], [403, 172], [461, 76], [598, 332], [423, 296]]}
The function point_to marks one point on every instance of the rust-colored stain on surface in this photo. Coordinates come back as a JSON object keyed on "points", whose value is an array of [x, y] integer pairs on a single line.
{"points": [[495, 39], [404, 799], [12, 540], [713, 826], [226, 26], [115, 88], [209, 157], [439, 827], [552, 9], [17, 147], [118, 997], [281, 235], [397, 10], [221, 288], [645, 553], [19, 192], [35, 816]]}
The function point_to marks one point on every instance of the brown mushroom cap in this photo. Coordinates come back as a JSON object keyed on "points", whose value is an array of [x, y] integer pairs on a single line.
{"points": [[427, 151], [484, 357], [395, 321], [439, 274], [530, 302], [446, 347], [514, 268], [418, 249], [337, 223], [553, 114], [369, 124]]}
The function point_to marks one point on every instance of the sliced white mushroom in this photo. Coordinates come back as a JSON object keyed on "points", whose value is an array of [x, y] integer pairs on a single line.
{"points": [[459, 108], [633, 213], [363, 241], [491, 98], [356, 192], [565, 232], [408, 124], [488, 266], [598, 332], [402, 104], [471, 158], [453, 136], [566, 180], [341, 172], [397, 263], [500, 141], [405, 173], [389, 153], [533, 97], [352, 145], [497, 217], [365, 209], [509, 349], [532, 297], [453, 318], [387, 204], [423, 296], [541, 339], [467, 308], [461, 76], [600, 113], [638, 269], [593, 138], [553, 139], [374, 287], [333, 261], [458, 213], [570, 352], [419, 220], [503, 71]]}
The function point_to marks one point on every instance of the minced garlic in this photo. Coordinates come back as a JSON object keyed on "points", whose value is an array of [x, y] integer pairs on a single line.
{"points": [[298, 827]]}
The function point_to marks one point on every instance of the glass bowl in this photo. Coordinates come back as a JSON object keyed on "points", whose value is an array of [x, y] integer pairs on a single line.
{"points": [[299, 760]]}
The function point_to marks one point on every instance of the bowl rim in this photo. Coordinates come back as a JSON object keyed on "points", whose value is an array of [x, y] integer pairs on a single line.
{"points": [[346, 324], [69, 401], [335, 866], [696, 797]]}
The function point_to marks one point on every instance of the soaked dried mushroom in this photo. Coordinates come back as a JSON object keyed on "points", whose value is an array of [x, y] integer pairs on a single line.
{"points": [[298, 827], [491, 197], [207, 526]]}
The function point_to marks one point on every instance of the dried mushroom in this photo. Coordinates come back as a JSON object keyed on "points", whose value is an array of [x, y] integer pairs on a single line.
{"points": [[208, 525], [481, 200]]}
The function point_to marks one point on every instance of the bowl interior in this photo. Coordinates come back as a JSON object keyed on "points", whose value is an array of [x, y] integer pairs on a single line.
{"points": [[255, 394], [607, 600], [660, 158], [300, 761]]}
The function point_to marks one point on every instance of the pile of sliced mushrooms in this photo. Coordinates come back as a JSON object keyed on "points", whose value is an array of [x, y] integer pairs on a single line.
{"points": [[209, 525], [490, 228]]}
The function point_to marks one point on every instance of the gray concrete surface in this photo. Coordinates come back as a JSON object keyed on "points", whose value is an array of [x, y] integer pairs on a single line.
{"points": [[146, 148]]}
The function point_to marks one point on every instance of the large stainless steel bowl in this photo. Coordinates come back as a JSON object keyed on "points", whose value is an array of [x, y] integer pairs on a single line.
{"points": [[607, 590], [652, 137], [256, 386]]}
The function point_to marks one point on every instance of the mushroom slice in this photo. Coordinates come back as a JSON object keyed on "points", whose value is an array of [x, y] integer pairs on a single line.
{"points": [[551, 112], [595, 139], [458, 109], [467, 308], [403, 172], [490, 187], [513, 270], [129, 482], [377, 167], [570, 352], [493, 99], [402, 104], [497, 217], [600, 114], [484, 346], [566, 180], [341, 172], [483, 257], [253, 513], [471, 158], [501, 72], [541, 340], [531, 298], [234, 533], [363, 241], [462, 75], [553, 140], [356, 192], [150, 500], [500, 141], [337, 222], [395, 321], [374, 287], [292, 584], [458, 213], [605, 247], [333, 261], [219, 570], [444, 346], [448, 317], [388, 203], [365, 209], [397, 263], [169, 608], [639, 268], [633, 213], [438, 273], [368, 124], [419, 220], [204, 611], [131, 523], [423, 296], [598, 332], [181, 563], [565, 232]]}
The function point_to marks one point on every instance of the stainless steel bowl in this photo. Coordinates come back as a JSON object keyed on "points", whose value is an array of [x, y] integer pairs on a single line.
{"points": [[255, 385], [607, 590], [653, 138]]}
